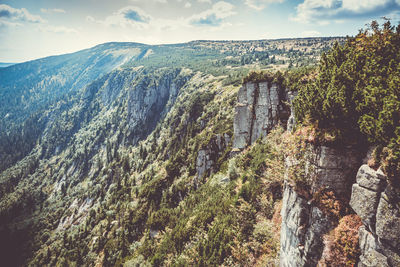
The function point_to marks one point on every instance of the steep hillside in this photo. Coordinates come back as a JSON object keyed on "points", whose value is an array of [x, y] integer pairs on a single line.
{"points": [[128, 154], [343, 208]]}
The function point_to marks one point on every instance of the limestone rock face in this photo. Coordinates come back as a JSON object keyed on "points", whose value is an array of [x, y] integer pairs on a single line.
{"points": [[303, 223], [295, 213], [366, 239], [208, 156], [377, 205], [373, 259], [388, 221], [260, 107], [303, 226], [148, 102], [292, 119], [366, 193], [334, 168]]}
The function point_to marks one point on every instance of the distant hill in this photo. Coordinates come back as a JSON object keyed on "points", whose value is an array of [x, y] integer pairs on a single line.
{"points": [[3, 64], [109, 149]]}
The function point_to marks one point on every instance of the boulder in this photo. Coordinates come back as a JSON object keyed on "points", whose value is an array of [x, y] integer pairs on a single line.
{"points": [[366, 240], [365, 202], [388, 221], [371, 179], [373, 259]]}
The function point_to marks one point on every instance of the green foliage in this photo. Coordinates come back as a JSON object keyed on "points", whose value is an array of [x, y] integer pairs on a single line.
{"points": [[254, 159], [259, 76], [96, 185], [356, 93]]}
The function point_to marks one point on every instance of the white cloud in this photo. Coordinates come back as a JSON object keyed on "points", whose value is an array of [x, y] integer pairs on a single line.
{"points": [[204, 1], [261, 4], [213, 16], [363, 5], [126, 16], [211, 19], [146, 1], [322, 11], [52, 10], [90, 19], [15, 15], [56, 29], [310, 8]]}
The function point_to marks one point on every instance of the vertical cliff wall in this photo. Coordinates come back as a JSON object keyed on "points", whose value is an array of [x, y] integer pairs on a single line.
{"points": [[378, 206], [304, 223], [260, 107], [207, 157]]}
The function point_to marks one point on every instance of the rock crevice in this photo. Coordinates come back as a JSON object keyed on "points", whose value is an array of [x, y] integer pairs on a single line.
{"points": [[376, 204], [303, 223], [260, 107], [207, 157]]}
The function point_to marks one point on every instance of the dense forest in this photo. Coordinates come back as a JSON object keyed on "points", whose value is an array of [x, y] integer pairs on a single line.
{"points": [[138, 166]]}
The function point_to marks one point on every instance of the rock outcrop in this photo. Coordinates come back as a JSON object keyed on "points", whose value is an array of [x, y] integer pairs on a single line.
{"points": [[148, 102], [334, 168], [260, 107], [366, 194], [207, 157], [302, 227], [377, 204], [291, 123], [303, 222]]}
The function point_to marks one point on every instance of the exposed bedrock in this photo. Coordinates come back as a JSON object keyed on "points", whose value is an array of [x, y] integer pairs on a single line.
{"points": [[303, 223], [261, 106], [377, 204]]}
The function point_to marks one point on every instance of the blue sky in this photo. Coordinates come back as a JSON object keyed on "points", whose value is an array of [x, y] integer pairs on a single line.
{"points": [[33, 29]]}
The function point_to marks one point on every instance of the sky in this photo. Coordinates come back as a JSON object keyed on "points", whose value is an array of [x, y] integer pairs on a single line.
{"points": [[31, 29]]}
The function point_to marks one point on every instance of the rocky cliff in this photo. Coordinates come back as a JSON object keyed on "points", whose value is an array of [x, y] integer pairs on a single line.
{"points": [[207, 157], [377, 204], [304, 221], [260, 107], [333, 175]]}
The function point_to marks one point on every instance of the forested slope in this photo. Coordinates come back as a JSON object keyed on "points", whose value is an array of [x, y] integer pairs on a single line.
{"points": [[137, 164]]}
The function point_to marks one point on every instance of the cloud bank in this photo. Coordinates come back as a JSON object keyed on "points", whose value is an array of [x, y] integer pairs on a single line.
{"points": [[12, 15], [131, 16], [213, 16], [321, 11]]}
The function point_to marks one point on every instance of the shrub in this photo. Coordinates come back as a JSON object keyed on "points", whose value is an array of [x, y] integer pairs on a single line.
{"points": [[343, 247], [355, 95], [330, 204]]}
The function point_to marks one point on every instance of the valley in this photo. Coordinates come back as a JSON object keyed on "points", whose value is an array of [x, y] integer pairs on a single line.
{"points": [[207, 153]]}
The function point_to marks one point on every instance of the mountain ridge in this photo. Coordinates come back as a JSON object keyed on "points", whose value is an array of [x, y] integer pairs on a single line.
{"points": [[138, 164]]}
